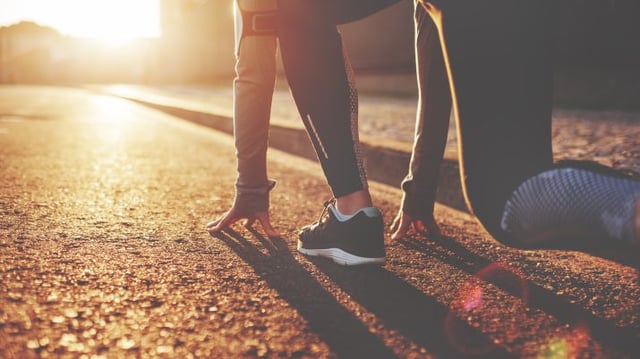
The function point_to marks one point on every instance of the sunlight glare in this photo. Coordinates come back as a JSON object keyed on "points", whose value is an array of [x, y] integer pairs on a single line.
{"points": [[112, 21], [111, 110]]}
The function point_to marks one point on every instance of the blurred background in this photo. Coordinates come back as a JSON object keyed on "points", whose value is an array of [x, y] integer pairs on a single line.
{"points": [[190, 42]]}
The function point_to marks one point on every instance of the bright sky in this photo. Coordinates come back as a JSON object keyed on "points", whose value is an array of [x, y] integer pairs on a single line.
{"points": [[105, 19]]}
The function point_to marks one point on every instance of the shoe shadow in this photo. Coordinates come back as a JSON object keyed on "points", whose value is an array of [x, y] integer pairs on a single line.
{"points": [[396, 303], [402, 307], [451, 252], [340, 329]]}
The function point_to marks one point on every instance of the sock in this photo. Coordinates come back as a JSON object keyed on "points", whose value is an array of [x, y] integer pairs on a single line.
{"points": [[369, 211]]}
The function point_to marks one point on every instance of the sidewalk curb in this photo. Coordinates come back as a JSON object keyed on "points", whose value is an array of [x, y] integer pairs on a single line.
{"points": [[386, 162]]}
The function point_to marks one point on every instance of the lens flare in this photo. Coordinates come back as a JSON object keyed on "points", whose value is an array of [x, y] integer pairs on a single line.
{"points": [[470, 299], [569, 346], [473, 299]]}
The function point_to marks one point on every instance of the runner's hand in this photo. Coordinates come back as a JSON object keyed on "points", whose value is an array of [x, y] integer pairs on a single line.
{"points": [[403, 222], [234, 215]]}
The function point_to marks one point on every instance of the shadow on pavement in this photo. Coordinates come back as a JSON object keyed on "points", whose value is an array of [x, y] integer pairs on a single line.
{"points": [[627, 339], [396, 303], [402, 307], [336, 326], [594, 244]]}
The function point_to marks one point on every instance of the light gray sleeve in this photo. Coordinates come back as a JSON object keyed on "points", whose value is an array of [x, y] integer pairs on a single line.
{"points": [[253, 93]]}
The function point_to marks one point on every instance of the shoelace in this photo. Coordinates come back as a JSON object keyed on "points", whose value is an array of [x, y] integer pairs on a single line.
{"points": [[324, 215]]}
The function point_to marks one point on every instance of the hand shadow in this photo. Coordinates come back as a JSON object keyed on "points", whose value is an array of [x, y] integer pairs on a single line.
{"points": [[340, 329]]}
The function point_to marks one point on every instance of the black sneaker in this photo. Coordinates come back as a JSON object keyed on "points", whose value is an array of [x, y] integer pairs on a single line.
{"points": [[359, 240]]}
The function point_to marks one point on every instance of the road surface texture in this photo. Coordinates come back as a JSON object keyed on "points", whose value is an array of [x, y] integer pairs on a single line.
{"points": [[103, 254]]}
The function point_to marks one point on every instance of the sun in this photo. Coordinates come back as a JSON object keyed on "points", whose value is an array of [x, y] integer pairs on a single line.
{"points": [[107, 20]]}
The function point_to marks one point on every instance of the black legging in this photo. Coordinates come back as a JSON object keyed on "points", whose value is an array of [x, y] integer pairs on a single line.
{"points": [[319, 78], [498, 60], [312, 13], [497, 57]]}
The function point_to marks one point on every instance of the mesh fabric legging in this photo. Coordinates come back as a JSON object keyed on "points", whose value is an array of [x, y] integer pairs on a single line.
{"points": [[573, 201]]}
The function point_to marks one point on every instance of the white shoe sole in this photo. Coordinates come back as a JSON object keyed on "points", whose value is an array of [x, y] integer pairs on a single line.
{"points": [[340, 257]]}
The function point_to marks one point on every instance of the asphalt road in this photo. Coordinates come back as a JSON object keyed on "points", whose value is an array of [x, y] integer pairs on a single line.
{"points": [[103, 253]]}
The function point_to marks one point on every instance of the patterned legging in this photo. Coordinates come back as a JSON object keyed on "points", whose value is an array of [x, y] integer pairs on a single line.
{"points": [[572, 201]]}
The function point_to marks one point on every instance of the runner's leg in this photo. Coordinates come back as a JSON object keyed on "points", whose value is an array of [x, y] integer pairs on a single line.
{"points": [[497, 56]]}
